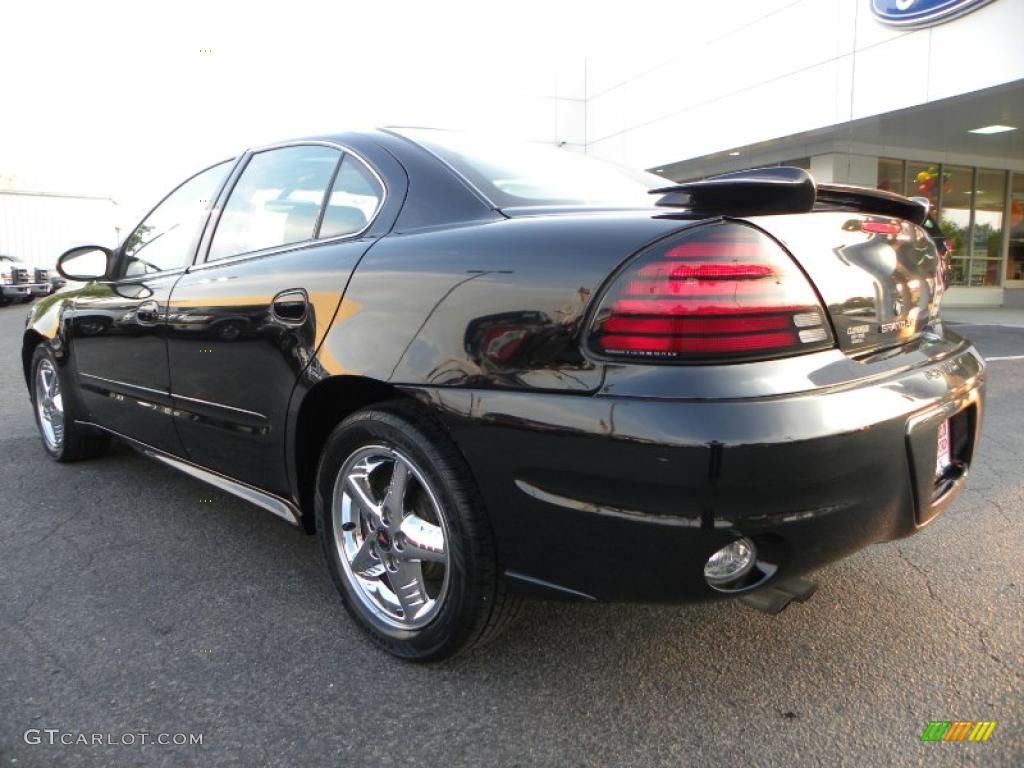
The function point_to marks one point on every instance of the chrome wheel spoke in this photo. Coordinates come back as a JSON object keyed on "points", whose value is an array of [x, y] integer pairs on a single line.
{"points": [[366, 563], [407, 584], [394, 501], [422, 540], [359, 488]]}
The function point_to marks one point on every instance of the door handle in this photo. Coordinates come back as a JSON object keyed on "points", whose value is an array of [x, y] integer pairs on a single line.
{"points": [[290, 306], [147, 313]]}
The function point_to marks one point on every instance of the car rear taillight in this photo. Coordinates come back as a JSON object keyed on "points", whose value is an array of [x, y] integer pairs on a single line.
{"points": [[717, 293], [875, 227]]}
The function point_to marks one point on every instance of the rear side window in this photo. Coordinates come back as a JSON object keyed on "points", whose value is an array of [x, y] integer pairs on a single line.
{"points": [[276, 201], [355, 198]]}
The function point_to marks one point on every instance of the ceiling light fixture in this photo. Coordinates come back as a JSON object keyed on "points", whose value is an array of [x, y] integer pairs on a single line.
{"points": [[989, 129], [733, 154]]}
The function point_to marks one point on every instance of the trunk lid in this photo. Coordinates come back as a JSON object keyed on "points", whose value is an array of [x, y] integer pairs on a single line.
{"points": [[878, 275]]}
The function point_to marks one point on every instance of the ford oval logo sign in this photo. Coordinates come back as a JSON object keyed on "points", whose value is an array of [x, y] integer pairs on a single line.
{"points": [[922, 13]]}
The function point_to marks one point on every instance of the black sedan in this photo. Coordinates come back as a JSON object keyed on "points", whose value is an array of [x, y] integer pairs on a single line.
{"points": [[481, 371]]}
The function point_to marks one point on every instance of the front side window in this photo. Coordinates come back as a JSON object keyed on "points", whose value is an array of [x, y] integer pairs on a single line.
{"points": [[276, 201], [167, 237]]}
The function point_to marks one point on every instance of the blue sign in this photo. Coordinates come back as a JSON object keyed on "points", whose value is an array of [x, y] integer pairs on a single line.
{"points": [[921, 13]]}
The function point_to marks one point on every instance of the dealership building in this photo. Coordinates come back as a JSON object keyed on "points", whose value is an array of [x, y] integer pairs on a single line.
{"points": [[922, 97]]}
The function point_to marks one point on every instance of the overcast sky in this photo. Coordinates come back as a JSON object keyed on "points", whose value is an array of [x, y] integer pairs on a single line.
{"points": [[123, 99]]}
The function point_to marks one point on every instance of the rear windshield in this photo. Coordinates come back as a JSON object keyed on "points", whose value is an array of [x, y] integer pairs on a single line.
{"points": [[512, 174]]}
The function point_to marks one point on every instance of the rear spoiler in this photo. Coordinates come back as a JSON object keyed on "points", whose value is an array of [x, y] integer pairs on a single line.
{"points": [[783, 189]]}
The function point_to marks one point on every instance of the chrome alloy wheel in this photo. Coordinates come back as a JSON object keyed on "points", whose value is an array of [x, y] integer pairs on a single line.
{"points": [[391, 536], [49, 405]]}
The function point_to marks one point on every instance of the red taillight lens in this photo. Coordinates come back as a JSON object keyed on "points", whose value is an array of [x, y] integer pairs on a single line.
{"points": [[717, 293], [880, 227]]}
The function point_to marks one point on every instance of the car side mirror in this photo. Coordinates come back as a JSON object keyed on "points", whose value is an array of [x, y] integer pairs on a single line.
{"points": [[86, 262]]}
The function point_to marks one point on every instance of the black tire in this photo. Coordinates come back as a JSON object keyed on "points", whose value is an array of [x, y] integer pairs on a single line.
{"points": [[76, 442], [475, 607]]}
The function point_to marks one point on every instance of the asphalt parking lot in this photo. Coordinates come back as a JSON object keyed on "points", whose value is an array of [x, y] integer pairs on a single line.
{"points": [[135, 599]]}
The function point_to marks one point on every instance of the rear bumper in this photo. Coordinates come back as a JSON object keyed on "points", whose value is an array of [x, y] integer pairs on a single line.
{"points": [[625, 498]]}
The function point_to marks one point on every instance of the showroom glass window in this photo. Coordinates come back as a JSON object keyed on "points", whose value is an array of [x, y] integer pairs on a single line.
{"points": [[355, 197], [971, 204], [923, 181], [987, 232], [276, 201], [955, 219], [890, 175], [1015, 255], [167, 238]]}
